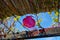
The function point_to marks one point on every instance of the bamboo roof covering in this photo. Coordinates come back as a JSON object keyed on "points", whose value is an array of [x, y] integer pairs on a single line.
{"points": [[21, 7]]}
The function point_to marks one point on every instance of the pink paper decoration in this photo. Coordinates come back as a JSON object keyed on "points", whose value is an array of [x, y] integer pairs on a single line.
{"points": [[28, 22]]}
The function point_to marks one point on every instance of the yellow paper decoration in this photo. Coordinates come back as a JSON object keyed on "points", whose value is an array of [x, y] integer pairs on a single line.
{"points": [[56, 20], [49, 12], [18, 17], [56, 13], [15, 19], [38, 21]]}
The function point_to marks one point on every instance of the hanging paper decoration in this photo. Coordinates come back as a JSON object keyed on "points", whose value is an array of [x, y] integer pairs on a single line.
{"points": [[49, 12], [15, 19], [29, 22], [40, 20], [55, 19], [18, 17], [56, 13]]}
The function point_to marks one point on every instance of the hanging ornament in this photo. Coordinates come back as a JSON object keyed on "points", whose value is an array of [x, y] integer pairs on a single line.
{"points": [[29, 22]]}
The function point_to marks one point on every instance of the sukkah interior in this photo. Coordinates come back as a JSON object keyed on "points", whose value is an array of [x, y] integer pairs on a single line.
{"points": [[19, 8]]}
